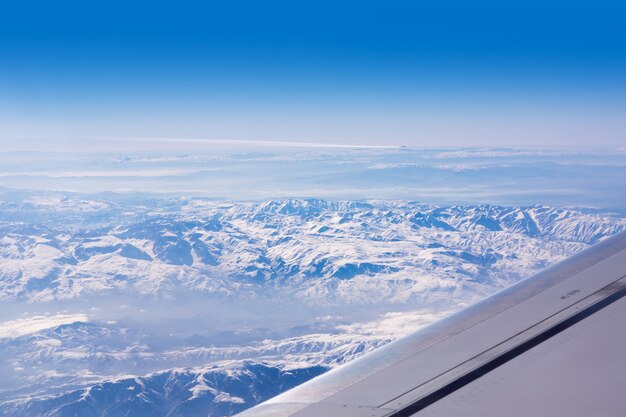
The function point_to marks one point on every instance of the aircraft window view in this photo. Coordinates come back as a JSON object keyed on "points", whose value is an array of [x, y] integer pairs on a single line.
{"points": [[337, 209]]}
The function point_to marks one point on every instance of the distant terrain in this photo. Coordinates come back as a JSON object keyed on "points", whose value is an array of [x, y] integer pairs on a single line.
{"points": [[192, 306]]}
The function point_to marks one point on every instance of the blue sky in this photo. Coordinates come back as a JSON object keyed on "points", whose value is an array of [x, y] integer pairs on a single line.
{"points": [[408, 73]]}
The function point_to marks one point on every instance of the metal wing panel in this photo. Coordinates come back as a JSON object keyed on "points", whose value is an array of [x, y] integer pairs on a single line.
{"points": [[580, 372], [393, 377], [427, 364]]}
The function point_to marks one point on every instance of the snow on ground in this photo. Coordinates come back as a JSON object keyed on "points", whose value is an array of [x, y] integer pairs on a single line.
{"points": [[194, 307]]}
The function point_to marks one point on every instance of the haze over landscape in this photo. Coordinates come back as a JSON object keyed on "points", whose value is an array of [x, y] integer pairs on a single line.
{"points": [[203, 282]]}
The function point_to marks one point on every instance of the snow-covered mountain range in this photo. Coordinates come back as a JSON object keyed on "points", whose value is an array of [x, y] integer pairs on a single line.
{"points": [[318, 251], [216, 391], [201, 307]]}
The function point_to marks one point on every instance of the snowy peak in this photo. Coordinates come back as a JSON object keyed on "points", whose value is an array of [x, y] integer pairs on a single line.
{"points": [[315, 250], [217, 391]]}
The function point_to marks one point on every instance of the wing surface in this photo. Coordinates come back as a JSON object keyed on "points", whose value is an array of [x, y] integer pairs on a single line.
{"points": [[550, 345]]}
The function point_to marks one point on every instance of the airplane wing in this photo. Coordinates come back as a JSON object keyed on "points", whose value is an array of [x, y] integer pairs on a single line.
{"points": [[551, 345]]}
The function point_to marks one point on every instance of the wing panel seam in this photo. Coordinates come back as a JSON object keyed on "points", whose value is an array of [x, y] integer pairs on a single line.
{"points": [[514, 351]]}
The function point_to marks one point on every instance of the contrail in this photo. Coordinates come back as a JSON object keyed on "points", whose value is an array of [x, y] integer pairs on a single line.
{"points": [[244, 142]]}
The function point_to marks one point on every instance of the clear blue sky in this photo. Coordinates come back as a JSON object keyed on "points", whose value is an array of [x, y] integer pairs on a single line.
{"points": [[499, 73]]}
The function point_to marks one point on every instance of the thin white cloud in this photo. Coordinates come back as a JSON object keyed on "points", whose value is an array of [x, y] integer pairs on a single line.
{"points": [[21, 327], [247, 143], [107, 173]]}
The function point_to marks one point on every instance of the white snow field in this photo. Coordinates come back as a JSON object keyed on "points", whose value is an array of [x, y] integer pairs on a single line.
{"points": [[194, 307]]}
